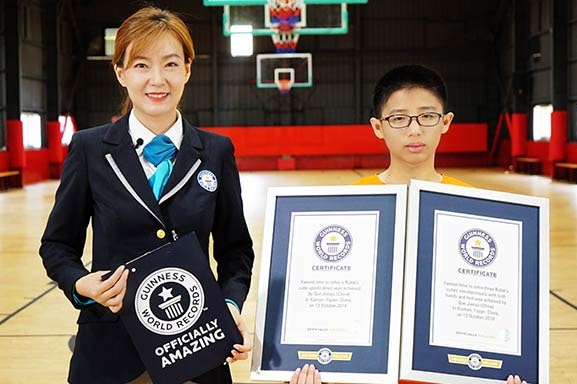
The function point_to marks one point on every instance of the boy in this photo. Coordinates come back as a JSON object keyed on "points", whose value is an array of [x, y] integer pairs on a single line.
{"points": [[410, 116], [409, 104]]}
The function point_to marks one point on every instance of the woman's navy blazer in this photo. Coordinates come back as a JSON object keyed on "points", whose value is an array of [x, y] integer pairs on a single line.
{"points": [[103, 182]]}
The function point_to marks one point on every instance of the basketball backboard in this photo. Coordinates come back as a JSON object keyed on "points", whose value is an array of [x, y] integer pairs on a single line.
{"points": [[285, 21], [315, 19], [220, 3], [280, 70]]}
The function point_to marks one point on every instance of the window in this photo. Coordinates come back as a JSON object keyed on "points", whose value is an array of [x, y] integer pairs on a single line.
{"points": [[109, 39], [31, 130], [542, 122], [241, 40], [66, 128]]}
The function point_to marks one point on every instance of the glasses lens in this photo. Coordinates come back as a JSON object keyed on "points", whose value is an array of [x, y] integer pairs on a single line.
{"points": [[428, 119], [399, 121]]}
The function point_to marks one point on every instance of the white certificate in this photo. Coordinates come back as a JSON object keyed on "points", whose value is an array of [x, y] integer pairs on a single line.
{"points": [[329, 295], [476, 283]]}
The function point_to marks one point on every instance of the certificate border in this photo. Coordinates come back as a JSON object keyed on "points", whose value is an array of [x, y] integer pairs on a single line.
{"points": [[410, 312], [316, 195], [518, 240], [289, 277]]}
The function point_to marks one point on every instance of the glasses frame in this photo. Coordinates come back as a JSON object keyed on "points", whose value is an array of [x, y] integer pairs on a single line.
{"points": [[411, 117]]}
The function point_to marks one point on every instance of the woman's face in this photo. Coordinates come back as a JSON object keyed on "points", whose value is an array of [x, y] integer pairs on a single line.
{"points": [[155, 79]]}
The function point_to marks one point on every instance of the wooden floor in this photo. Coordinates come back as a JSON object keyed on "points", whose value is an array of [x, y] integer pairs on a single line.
{"points": [[37, 323]]}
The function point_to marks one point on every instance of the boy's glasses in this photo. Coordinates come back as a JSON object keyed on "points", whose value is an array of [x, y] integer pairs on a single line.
{"points": [[426, 119]]}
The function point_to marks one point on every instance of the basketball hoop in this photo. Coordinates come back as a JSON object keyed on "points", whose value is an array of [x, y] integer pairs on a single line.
{"points": [[284, 86], [284, 78], [284, 17]]}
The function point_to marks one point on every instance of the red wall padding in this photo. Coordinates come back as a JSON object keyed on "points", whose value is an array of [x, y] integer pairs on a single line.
{"points": [[37, 167], [518, 133], [558, 135], [54, 142], [15, 144], [572, 152], [4, 161], [276, 147], [319, 140]]}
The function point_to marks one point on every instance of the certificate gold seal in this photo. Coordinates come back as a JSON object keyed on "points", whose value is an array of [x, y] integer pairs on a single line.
{"points": [[325, 355], [475, 361]]}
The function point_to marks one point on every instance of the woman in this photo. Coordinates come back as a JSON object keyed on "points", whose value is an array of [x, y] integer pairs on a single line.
{"points": [[137, 202]]}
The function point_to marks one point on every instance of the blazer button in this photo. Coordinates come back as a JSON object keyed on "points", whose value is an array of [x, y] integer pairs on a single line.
{"points": [[160, 234]]}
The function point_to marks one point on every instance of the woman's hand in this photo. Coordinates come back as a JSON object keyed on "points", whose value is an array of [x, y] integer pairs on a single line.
{"points": [[240, 351], [109, 292]]}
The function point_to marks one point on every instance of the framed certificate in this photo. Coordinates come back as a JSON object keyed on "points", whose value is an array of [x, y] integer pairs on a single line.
{"points": [[476, 294], [330, 286]]}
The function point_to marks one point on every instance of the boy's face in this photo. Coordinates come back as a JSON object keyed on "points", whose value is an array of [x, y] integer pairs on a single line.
{"points": [[413, 145]]}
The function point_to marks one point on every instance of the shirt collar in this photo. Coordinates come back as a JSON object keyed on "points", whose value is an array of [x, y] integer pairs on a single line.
{"points": [[138, 131]]}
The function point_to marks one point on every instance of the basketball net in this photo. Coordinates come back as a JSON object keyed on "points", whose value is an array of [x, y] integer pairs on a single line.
{"points": [[284, 79], [284, 16]]}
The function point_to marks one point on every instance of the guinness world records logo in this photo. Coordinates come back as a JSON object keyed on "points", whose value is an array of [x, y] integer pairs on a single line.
{"points": [[333, 243], [475, 361], [325, 356], [169, 301], [207, 180], [477, 247]]}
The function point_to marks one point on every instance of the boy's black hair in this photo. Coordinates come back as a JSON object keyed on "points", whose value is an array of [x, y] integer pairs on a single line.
{"points": [[404, 77]]}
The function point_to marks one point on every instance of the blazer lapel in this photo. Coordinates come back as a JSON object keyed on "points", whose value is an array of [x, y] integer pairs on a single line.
{"points": [[189, 154], [122, 150]]}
